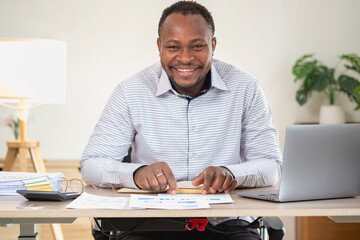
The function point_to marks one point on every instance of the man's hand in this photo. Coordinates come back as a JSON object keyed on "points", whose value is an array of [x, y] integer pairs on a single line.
{"points": [[155, 177], [215, 179]]}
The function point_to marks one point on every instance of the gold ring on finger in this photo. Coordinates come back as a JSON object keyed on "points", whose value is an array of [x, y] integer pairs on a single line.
{"points": [[158, 175]]}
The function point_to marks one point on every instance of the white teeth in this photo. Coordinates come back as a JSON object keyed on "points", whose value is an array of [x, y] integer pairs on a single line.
{"points": [[185, 70]]}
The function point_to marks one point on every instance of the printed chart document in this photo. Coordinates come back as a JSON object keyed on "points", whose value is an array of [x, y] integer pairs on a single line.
{"points": [[210, 198], [91, 201], [167, 202]]}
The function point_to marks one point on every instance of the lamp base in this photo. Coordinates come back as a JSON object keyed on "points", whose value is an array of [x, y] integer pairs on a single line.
{"points": [[22, 148]]}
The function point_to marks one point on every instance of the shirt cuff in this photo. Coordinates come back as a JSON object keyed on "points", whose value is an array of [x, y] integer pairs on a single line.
{"points": [[124, 175], [239, 176]]}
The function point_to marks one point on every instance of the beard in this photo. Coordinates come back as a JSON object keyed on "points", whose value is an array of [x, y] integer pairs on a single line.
{"points": [[198, 81]]}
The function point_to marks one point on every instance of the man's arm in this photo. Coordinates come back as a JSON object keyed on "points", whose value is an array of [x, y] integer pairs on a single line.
{"points": [[109, 143], [260, 148], [260, 152]]}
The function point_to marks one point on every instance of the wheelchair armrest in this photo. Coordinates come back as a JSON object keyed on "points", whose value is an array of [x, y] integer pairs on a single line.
{"points": [[274, 227]]}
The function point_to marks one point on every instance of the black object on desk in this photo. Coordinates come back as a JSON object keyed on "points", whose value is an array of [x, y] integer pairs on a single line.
{"points": [[48, 195]]}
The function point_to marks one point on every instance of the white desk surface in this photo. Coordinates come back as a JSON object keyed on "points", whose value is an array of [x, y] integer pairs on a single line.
{"points": [[241, 207]]}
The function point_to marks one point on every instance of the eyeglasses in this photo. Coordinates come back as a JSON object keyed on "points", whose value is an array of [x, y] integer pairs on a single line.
{"points": [[77, 185], [101, 185], [72, 185]]}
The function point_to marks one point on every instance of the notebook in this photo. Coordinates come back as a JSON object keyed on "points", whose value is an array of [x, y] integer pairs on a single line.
{"points": [[320, 162]]}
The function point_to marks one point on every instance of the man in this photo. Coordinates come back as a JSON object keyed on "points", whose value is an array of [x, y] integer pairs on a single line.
{"points": [[189, 117]]}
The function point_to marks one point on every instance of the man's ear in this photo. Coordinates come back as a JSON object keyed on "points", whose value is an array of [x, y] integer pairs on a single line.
{"points": [[213, 44], [158, 44]]}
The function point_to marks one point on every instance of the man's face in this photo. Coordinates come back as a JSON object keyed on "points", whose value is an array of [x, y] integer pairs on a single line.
{"points": [[186, 48]]}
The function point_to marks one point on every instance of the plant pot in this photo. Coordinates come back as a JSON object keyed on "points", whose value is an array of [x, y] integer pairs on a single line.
{"points": [[331, 114]]}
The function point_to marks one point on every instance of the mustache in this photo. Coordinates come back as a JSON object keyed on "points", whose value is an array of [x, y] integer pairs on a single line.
{"points": [[190, 64]]}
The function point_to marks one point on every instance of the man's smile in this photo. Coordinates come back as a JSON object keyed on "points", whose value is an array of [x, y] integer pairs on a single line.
{"points": [[184, 72]]}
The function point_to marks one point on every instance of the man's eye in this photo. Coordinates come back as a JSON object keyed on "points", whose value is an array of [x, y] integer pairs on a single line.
{"points": [[198, 47], [172, 48]]}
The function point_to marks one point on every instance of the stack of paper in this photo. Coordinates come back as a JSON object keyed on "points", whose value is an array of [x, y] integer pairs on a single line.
{"points": [[10, 182], [39, 183], [9, 187]]}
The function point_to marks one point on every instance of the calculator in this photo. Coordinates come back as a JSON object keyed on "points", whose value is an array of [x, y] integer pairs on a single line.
{"points": [[48, 195]]}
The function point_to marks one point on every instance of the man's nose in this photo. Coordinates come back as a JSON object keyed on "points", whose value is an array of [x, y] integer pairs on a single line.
{"points": [[185, 57]]}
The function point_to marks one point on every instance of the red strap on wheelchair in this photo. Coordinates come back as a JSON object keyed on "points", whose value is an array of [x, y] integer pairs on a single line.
{"points": [[199, 223]]}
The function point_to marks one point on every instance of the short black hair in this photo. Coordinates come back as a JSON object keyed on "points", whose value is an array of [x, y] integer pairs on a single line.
{"points": [[187, 8]]}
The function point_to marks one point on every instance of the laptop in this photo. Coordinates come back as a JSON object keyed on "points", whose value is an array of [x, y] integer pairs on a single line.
{"points": [[320, 162]]}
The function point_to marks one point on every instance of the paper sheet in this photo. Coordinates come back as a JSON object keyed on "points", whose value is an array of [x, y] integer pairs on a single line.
{"points": [[210, 198], [91, 201], [170, 202]]}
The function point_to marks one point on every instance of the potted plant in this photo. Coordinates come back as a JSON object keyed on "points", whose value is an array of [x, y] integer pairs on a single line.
{"points": [[314, 76]]}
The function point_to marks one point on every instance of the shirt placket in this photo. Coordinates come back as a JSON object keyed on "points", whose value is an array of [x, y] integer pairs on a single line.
{"points": [[192, 150]]}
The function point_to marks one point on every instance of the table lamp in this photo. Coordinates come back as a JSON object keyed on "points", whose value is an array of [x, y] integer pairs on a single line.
{"points": [[32, 72]]}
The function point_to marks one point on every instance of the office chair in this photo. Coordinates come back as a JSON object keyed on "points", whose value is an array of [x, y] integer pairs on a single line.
{"points": [[269, 228], [273, 228]]}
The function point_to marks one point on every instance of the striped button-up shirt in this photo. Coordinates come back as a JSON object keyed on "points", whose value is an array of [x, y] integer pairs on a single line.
{"points": [[230, 125]]}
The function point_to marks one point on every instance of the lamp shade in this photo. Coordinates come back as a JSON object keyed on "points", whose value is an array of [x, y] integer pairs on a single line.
{"points": [[32, 70]]}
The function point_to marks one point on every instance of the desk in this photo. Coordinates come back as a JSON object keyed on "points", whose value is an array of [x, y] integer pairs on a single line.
{"points": [[55, 212]]}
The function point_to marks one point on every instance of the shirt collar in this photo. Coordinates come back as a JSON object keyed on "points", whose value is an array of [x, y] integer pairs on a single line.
{"points": [[165, 85], [216, 80]]}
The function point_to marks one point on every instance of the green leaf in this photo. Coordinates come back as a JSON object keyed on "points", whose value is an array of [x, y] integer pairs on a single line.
{"points": [[319, 79], [357, 93], [303, 66], [302, 96], [301, 59], [357, 90], [353, 61], [351, 87]]}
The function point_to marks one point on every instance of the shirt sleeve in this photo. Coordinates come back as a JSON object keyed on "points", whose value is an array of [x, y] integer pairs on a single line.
{"points": [[101, 162], [260, 152]]}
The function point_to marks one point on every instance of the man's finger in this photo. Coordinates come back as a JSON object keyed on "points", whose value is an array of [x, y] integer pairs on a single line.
{"points": [[153, 182], [162, 181], [231, 187], [170, 179], [208, 180], [144, 184], [198, 180], [227, 182], [218, 181]]}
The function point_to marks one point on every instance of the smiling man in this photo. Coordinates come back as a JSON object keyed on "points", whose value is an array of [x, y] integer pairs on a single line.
{"points": [[189, 117], [186, 45]]}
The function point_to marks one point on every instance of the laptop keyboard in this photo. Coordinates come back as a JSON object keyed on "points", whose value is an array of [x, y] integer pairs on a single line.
{"points": [[270, 196]]}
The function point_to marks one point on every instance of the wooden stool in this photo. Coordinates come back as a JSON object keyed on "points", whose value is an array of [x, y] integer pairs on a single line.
{"points": [[22, 148]]}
